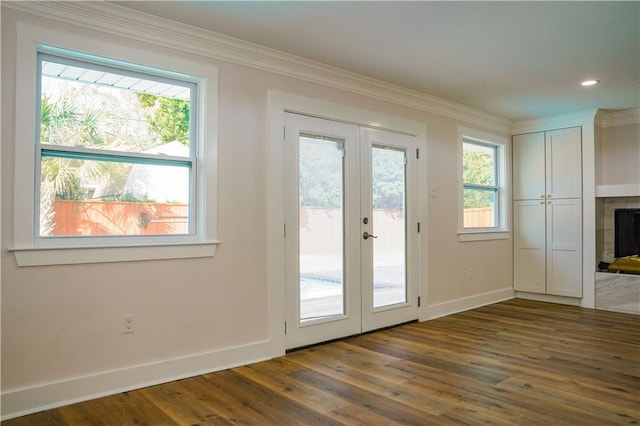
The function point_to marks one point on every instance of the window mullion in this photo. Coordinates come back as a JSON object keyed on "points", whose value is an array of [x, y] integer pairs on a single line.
{"points": [[81, 153], [480, 187]]}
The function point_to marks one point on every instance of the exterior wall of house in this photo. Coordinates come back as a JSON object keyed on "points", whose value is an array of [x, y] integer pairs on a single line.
{"points": [[61, 325]]}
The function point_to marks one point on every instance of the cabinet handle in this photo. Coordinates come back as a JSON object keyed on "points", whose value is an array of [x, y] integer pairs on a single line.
{"points": [[542, 202], [548, 195], [542, 196], [548, 202]]}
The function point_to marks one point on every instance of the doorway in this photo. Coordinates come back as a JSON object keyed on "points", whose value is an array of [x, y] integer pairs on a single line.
{"points": [[350, 229]]}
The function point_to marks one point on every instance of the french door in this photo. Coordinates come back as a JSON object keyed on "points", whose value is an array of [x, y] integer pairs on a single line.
{"points": [[350, 231]]}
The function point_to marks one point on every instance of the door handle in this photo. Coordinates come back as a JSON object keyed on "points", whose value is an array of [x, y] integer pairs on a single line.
{"points": [[367, 235]]}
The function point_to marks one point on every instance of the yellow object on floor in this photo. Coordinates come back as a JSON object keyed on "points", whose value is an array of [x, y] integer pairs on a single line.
{"points": [[630, 264]]}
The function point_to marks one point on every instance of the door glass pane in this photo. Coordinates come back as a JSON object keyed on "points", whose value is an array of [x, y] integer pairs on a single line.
{"points": [[389, 249], [321, 228]]}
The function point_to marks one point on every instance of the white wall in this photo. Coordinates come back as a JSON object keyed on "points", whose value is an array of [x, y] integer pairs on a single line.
{"points": [[619, 162], [617, 173], [61, 325]]}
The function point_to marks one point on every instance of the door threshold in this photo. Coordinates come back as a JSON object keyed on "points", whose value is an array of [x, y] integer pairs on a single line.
{"points": [[339, 339]]}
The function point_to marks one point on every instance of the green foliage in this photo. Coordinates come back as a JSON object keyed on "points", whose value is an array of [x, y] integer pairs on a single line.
{"points": [[62, 174], [169, 118], [477, 168], [55, 119], [62, 124], [388, 179], [320, 173], [478, 198], [320, 176], [129, 197]]}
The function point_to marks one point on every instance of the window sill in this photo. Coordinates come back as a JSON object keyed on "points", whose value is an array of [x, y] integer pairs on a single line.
{"points": [[465, 236], [40, 256]]}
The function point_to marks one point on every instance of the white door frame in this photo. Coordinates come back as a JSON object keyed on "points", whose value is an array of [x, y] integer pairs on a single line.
{"points": [[279, 103]]}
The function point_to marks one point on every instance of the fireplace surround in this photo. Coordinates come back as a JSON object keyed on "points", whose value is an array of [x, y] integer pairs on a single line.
{"points": [[606, 226], [614, 291]]}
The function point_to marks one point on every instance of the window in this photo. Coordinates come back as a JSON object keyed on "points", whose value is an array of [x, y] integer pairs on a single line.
{"points": [[483, 195], [116, 151], [115, 157], [480, 192]]}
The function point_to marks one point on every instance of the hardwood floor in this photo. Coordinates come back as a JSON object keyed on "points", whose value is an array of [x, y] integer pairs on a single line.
{"points": [[515, 362]]}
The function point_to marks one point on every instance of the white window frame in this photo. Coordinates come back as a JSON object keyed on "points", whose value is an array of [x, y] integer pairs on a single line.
{"points": [[493, 187], [48, 54], [29, 249], [500, 143]]}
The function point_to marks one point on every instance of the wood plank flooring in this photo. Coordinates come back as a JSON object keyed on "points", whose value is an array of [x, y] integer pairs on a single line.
{"points": [[513, 363]]}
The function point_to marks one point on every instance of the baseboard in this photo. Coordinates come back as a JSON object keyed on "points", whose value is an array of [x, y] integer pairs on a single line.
{"points": [[30, 400], [563, 300], [459, 305]]}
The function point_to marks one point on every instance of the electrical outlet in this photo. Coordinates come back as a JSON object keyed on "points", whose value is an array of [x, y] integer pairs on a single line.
{"points": [[128, 324], [469, 273]]}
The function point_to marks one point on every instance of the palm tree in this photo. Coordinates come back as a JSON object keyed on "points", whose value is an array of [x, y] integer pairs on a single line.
{"points": [[65, 178]]}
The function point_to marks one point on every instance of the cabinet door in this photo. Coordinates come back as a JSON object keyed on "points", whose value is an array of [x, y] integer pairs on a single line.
{"points": [[529, 246], [564, 247], [528, 166], [564, 163]]}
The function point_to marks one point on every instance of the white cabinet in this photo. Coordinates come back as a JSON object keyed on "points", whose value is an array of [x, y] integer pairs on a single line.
{"points": [[564, 247], [547, 165], [529, 243], [529, 169], [547, 212]]}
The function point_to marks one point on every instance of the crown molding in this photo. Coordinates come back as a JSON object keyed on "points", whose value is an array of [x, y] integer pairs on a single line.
{"points": [[579, 118], [619, 117], [119, 21]]}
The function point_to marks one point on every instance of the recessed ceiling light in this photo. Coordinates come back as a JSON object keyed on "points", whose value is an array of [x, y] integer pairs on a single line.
{"points": [[590, 82]]}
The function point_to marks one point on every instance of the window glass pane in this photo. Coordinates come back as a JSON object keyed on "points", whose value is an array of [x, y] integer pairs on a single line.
{"points": [[389, 225], [84, 197], [478, 164], [321, 231], [479, 208], [89, 106]]}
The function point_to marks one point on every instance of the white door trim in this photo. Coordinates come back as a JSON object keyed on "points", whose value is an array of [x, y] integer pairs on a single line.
{"points": [[279, 103]]}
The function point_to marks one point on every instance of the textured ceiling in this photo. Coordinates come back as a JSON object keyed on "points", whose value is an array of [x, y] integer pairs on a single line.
{"points": [[513, 59]]}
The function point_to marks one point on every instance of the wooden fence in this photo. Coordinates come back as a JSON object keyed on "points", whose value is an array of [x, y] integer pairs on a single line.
{"points": [[479, 218], [118, 218], [126, 218]]}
